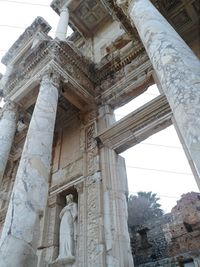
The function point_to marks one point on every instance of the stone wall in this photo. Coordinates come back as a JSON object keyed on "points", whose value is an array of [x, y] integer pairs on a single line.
{"points": [[172, 239], [149, 243]]}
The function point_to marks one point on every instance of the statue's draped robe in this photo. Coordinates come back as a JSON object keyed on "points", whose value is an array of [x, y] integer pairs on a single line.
{"points": [[67, 227]]}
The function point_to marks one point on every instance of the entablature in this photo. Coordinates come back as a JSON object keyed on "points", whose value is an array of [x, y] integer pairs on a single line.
{"points": [[64, 60], [129, 79], [138, 125]]}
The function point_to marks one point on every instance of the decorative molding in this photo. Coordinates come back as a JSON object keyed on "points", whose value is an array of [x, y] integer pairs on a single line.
{"points": [[60, 188], [135, 79]]}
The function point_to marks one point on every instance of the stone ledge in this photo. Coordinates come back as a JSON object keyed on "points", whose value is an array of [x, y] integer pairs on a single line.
{"points": [[66, 262]]}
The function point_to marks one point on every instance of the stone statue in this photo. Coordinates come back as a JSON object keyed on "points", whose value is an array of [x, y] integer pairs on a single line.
{"points": [[68, 218]]}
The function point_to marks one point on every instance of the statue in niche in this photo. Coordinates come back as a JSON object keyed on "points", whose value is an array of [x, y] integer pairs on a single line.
{"points": [[68, 218]]}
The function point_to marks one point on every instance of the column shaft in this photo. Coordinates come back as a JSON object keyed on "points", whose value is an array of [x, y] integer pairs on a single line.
{"points": [[177, 68], [61, 31], [8, 123], [21, 230]]}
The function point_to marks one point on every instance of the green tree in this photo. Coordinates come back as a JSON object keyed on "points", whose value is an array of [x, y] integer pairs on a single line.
{"points": [[142, 207]]}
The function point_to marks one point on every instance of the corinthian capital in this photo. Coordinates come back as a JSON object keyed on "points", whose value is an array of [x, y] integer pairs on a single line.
{"points": [[50, 75], [124, 4]]}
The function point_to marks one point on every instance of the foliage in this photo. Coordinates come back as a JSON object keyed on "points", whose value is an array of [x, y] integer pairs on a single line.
{"points": [[142, 207]]}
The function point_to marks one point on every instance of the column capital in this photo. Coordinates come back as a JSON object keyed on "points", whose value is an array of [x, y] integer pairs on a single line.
{"points": [[66, 5], [9, 106], [126, 5], [50, 76], [64, 8]]}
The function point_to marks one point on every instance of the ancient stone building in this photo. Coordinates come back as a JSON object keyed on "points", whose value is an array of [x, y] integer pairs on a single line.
{"points": [[171, 240], [58, 135]]}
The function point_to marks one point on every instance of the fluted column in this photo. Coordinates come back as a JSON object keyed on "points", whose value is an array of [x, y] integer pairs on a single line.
{"points": [[8, 124], [21, 230], [61, 31], [177, 68]]}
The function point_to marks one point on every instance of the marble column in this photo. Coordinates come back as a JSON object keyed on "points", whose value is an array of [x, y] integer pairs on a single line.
{"points": [[8, 124], [177, 69], [21, 230], [61, 31]]}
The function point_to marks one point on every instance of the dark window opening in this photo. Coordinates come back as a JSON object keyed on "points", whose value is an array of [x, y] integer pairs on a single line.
{"points": [[143, 238], [188, 227]]}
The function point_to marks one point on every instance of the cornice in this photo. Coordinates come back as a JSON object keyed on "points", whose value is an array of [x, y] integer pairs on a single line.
{"points": [[38, 25], [138, 125]]}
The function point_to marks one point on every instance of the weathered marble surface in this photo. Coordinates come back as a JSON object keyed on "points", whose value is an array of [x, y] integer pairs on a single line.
{"points": [[21, 231], [177, 68], [113, 193], [8, 124]]}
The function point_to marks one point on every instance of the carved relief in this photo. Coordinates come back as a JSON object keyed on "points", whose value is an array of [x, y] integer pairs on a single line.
{"points": [[93, 219], [90, 134], [91, 12], [92, 159]]}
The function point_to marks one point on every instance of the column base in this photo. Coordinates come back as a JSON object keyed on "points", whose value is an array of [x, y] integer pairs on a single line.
{"points": [[65, 262]]}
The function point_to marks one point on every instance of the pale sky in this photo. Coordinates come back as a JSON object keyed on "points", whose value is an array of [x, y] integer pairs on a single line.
{"points": [[158, 164]]}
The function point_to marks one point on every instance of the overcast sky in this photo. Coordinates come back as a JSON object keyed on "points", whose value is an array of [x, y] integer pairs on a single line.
{"points": [[158, 164]]}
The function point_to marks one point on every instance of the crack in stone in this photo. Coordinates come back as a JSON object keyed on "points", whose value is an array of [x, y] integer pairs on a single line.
{"points": [[25, 185]]}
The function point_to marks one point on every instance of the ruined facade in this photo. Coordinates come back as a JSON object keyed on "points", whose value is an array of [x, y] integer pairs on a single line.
{"points": [[171, 240], [58, 134]]}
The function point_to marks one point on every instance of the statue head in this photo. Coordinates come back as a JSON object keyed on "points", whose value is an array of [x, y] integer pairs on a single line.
{"points": [[69, 198]]}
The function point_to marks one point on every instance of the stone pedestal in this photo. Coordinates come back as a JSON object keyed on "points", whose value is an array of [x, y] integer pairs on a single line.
{"points": [[177, 69], [68, 262], [19, 240], [8, 124]]}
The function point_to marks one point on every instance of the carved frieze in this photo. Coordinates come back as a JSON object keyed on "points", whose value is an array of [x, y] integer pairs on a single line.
{"points": [[90, 134], [92, 151]]}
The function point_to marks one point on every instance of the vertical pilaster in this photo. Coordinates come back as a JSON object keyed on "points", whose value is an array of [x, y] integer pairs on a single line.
{"points": [[177, 69], [93, 243], [21, 230], [8, 124], [114, 193]]}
